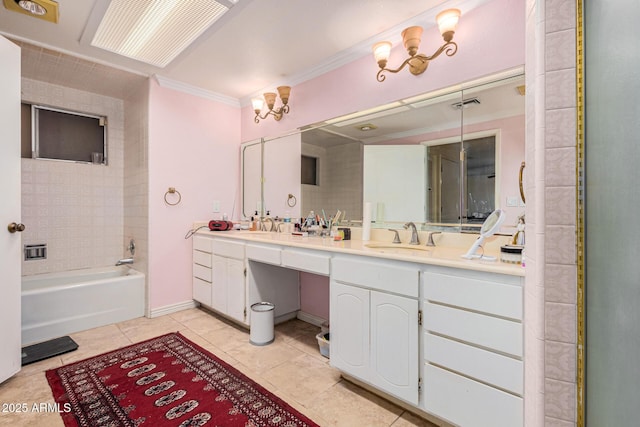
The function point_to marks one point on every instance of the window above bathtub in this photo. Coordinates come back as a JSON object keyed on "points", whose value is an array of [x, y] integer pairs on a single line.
{"points": [[58, 134]]}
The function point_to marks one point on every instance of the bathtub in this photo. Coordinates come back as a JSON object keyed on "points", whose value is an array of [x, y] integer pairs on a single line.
{"points": [[57, 304]]}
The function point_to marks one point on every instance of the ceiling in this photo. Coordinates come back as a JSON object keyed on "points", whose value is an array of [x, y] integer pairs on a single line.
{"points": [[256, 46]]}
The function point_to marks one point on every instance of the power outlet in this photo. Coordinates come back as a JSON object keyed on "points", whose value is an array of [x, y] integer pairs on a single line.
{"points": [[216, 206]]}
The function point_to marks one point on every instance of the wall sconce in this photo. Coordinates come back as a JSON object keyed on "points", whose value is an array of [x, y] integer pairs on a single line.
{"points": [[418, 62], [270, 99]]}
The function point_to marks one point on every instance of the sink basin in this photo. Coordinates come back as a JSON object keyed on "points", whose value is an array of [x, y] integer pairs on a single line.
{"points": [[398, 248]]}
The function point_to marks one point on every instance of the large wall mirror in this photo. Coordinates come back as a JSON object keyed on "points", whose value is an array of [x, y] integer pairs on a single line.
{"points": [[441, 159]]}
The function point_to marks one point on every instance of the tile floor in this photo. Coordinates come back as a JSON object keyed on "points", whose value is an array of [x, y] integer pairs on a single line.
{"points": [[291, 367]]}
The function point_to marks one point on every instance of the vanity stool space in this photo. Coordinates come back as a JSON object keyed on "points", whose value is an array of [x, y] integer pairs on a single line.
{"points": [[437, 334]]}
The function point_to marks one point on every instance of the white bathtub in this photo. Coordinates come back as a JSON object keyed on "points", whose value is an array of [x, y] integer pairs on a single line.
{"points": [[57, 304]]}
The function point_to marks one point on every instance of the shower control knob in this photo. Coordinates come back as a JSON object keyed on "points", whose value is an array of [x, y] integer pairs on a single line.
{"points": [[13, 227]]}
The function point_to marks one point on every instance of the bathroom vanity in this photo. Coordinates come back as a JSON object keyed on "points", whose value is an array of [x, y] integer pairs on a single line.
{"points": [[438, 333]]}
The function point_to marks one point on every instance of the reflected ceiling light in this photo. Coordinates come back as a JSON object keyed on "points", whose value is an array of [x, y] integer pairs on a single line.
{"points": [[270, 99], [418, 62], [43, 9]]}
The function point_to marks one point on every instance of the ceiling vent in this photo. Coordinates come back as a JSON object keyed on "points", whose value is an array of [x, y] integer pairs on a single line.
{"points": [[155, 32], [466, 103]]}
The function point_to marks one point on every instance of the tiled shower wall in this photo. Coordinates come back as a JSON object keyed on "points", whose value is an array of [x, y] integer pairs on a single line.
{"points": [[340, 181], [550, 288], [75, 208], [136, 176]]}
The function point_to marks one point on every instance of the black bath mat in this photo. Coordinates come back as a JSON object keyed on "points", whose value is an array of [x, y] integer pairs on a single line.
{"points": [[44, 350]]}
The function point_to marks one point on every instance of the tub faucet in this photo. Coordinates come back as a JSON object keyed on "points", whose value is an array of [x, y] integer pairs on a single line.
{"points": [[125, 261], [414, 233]]}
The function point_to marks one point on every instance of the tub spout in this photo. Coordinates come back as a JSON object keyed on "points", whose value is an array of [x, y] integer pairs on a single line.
{"points": [[125, 261]]}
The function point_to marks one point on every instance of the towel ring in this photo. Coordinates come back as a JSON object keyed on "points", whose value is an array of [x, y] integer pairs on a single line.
{"points": [[291, 200], [172, 190]]}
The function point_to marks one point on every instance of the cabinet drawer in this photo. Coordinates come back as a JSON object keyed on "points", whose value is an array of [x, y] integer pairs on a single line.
{"points": [[486, 331], [202, 258], [478, 294], [469, 403], [202, 291], [310, 261], [228, 248], [380, 274], [266, 254], [486, 366], [201, 272], [202, 243]]}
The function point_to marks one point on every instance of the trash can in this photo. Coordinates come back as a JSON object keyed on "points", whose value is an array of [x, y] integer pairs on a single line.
{"points": [[261, 329]]}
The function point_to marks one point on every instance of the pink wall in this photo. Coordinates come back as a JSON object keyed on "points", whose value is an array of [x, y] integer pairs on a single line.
{"points": [[194, 147], [314, 295], [491, 38]]}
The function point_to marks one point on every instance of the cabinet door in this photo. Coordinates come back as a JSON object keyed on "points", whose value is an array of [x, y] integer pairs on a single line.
{"points": [[349, 318], [236, 289], [394, 345], [219, 284]]}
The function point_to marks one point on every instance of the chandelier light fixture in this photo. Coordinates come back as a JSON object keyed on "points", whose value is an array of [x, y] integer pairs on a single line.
{"points": [[270, 99], [418, 62]]}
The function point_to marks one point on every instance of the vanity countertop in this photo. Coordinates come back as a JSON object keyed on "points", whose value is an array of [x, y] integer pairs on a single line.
{"points": [[444, 255]]}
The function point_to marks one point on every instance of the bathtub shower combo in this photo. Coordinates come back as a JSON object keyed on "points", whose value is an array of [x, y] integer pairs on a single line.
{"points": [[56, 304]]}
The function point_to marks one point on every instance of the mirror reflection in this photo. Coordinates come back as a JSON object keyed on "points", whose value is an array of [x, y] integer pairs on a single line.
{"points": [[441, 159]]}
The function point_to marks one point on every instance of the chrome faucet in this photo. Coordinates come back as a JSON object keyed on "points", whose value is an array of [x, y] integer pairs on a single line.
{"points": [[430, 241], [125, 261], [414, 233], [264, 224], [396, 237]]}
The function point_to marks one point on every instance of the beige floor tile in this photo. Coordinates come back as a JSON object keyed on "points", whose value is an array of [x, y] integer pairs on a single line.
{"points": [[205, 323], [41, 366], [143, 329], [408, 419], [346, 404], [185, 315], [263, 358], [304, 377], [227, 338]]}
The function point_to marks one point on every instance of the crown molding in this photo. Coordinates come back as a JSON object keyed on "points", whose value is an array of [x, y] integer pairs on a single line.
{"points": [[196, 91]]}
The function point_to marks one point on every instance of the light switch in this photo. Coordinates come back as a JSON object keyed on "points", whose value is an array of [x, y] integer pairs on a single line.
{"points": [[512, 201]]}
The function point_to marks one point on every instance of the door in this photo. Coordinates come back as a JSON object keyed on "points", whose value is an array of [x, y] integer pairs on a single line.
{"points": [[349, 316], [219, 284], [235, 289], [10, 353], [394, 345]]}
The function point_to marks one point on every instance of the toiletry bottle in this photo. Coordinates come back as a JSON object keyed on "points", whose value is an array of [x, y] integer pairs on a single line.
{"points": [[252, 224], [287, 216]]}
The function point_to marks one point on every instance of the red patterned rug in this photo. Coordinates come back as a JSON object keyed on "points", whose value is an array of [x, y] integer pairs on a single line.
{"points": [[165, 381]]}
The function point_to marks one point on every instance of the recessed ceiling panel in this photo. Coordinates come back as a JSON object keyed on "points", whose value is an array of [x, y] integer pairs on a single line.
{"points": [[153, 31]]}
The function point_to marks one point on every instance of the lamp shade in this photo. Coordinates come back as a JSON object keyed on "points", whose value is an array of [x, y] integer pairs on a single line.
{"points": [[411, 39], [447, 21], [381, 51], [284, 92], [257, 104]]}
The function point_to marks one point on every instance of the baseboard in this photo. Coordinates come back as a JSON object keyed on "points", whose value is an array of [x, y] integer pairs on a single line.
{"points": [[311, 318], [173, 308]]}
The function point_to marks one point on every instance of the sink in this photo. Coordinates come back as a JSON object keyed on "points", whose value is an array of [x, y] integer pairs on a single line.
{"points": [[398, 248]]}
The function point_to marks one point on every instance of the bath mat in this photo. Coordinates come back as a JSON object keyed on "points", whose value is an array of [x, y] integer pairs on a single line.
{"points": [[165, 381], [45, 350]]}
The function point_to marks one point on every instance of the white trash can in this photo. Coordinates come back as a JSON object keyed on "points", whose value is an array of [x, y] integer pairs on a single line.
{"points": [[261, 328]]}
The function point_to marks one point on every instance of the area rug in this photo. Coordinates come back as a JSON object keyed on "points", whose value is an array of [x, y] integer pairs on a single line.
{"points": [[164, 381]]}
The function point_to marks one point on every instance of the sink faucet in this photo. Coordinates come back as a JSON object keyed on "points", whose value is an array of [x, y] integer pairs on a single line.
{"points": [[125, 261], [430, 241], [414, 233], [264, 224]]}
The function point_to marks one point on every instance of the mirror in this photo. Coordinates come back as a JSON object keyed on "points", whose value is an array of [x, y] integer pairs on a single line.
{"points": [[442, 159], [490, 226]]}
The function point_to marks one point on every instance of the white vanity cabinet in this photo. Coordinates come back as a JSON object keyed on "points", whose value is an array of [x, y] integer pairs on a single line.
{"points": [[228, 282], [202, 272], [374, 323], [473, 347]]}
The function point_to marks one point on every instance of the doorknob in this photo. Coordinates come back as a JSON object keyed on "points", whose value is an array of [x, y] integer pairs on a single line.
{"points": [[13, 227]]}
